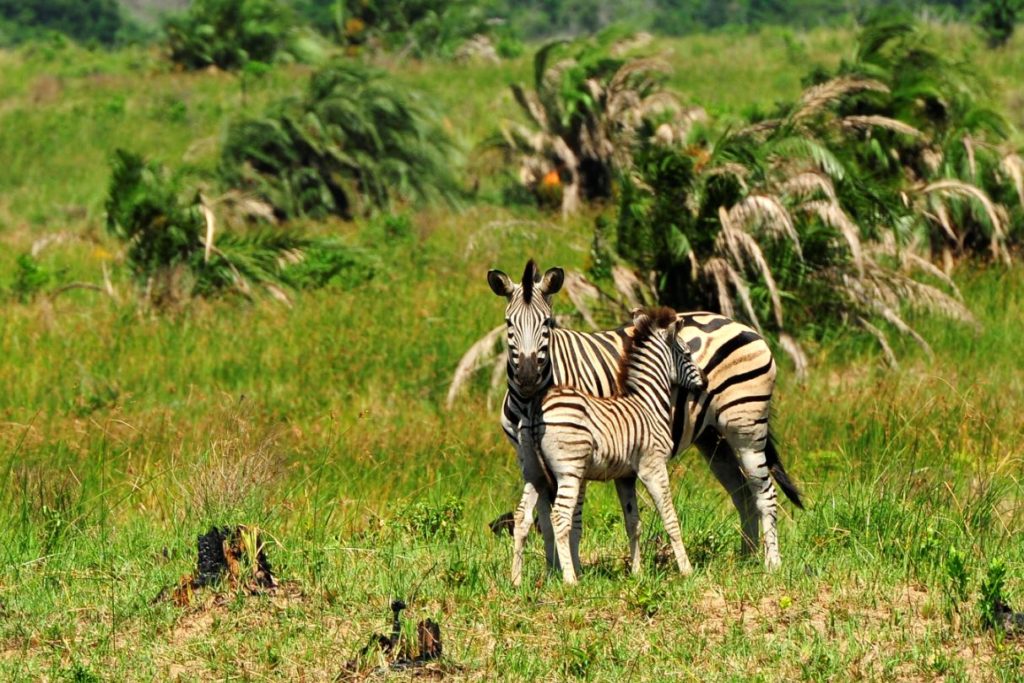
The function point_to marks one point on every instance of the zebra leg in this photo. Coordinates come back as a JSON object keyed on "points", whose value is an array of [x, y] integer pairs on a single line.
{"points": [[726, 468], [523, 521], [561, 520], [748, 439], [654, 475], [545, 520], [626, 488], [577, 528], [754, 464], [535, 483]]}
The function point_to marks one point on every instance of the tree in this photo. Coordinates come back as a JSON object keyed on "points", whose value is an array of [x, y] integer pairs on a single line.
{"points": [[587, 111], [997, 19], [84, 20], [228, 33]]}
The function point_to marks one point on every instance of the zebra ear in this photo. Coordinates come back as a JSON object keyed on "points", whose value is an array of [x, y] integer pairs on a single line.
{"points": [[552, 281], [500, 283]]}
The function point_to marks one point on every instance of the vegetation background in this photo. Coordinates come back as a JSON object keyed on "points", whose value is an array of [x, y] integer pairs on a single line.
{"points": [[195, 337]]}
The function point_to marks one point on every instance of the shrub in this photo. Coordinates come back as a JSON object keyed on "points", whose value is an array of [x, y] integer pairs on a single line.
{"points": [[174, 250], [587, 112], [30, 278], [997, 19], [354, 143], [227, 33], [832, 205], [84, 20]]}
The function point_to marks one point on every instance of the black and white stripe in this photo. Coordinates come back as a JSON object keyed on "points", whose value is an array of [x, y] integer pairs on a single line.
{"points": [[579, 437], [728, 421]]}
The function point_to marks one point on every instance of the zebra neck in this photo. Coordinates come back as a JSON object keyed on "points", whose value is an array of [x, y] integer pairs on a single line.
{"points": [[649, 378]]}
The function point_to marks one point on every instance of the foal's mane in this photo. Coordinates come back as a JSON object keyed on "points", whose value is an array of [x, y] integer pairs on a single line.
{"points": [[651, 320]]}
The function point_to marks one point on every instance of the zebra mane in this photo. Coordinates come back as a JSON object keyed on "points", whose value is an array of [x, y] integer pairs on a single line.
{"points": [[651, 320], [529, 278]]}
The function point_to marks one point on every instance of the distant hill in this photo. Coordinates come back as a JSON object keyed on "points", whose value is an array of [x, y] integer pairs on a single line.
{"points": [[149, 11]]}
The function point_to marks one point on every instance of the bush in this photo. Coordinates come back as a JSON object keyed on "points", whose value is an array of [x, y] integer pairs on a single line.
{"points": [[356, 142], [587, 111], [830, 207], [86, 21], [997, 19], [228, 33], [174, 249]]}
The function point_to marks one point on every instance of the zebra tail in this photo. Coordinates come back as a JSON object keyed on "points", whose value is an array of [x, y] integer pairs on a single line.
{"points": [[779, 473]]}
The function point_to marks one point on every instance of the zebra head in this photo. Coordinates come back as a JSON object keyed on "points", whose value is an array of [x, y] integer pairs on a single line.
{"points": [[686, 374], [529, 320]]}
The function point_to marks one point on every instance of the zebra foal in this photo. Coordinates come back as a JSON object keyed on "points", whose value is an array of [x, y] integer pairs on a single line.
{"points": [[578, 437]]}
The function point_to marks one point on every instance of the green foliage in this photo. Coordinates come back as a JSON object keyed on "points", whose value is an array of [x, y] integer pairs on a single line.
{"points": [[87, 21], [587, 111], [993, 597], [997, 19], [418, 28], [228, 33], [433, 521], [173, 249], [649, 594], [957, 578], [831, 200], [30, 278], [356, 142]]}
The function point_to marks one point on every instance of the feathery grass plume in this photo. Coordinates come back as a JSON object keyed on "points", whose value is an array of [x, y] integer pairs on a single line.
{"points": [[581, 292], [957, 188], [804, 186], [766, 212], [816, 98], [883, 342], [796, 353], [875, 121], [1013, 165]]}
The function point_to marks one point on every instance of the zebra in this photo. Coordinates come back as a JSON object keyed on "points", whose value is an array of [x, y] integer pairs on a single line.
{"points": [[578, 437], [728, 422]]}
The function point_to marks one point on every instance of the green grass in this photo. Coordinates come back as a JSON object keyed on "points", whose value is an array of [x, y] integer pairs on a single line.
{"points": [[124, 434]]}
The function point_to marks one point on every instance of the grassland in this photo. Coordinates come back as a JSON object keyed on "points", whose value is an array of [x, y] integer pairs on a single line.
{"points": [[124, 434]]}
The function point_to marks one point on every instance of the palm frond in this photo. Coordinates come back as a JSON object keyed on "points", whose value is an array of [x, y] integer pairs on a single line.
{"points": [[479, 355], [868, 122], [964, 189], [818, 97], [768, 213]]}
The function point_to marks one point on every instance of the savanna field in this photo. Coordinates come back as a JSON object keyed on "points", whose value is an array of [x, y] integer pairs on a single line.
{"points": [[127, 430]]}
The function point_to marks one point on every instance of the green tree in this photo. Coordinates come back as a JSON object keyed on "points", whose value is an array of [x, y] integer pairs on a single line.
{"points": [[997, 19], [228, 33], [84, 20]]}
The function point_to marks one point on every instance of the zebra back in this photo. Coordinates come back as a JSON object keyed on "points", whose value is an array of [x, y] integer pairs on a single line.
{"points": [[736, 361]]}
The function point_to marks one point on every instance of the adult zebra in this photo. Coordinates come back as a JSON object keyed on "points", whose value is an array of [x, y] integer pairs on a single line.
{"points": [[728, 421]]}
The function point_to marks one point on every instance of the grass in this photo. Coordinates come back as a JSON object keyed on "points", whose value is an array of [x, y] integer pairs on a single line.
{"points": [[124, 435]]}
